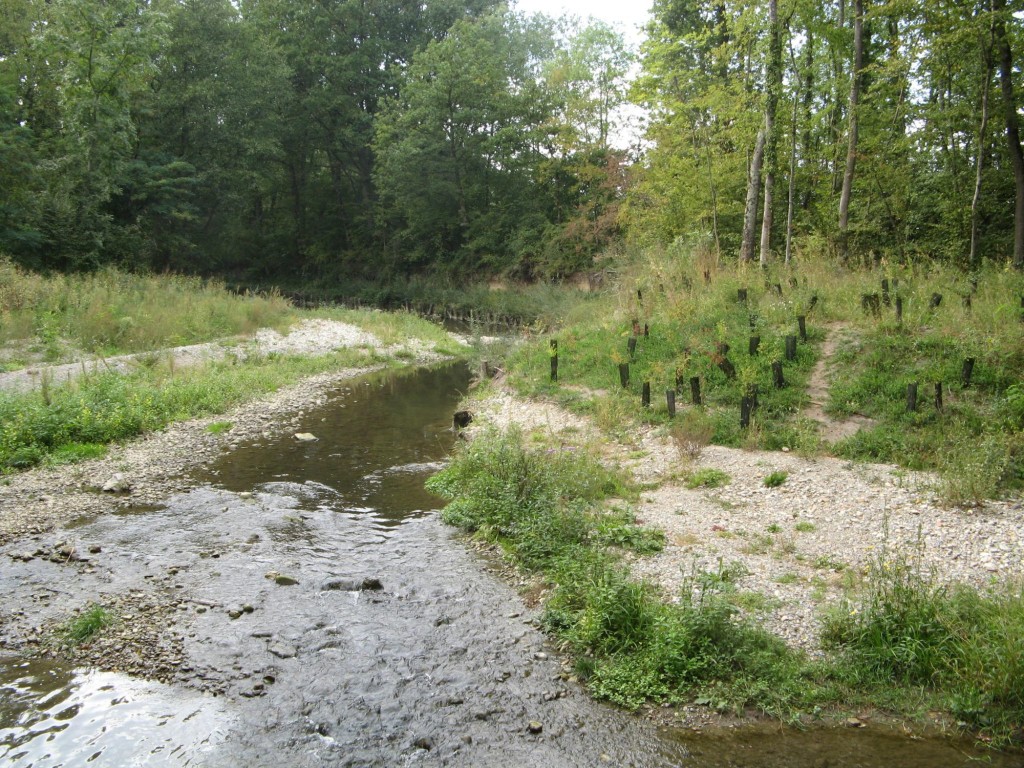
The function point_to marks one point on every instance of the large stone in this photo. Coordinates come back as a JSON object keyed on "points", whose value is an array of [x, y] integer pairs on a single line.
{"points": [[117, 484]]}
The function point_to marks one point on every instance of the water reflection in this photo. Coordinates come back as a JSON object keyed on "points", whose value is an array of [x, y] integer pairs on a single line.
{"points": [[377, 440], [52, 716]]}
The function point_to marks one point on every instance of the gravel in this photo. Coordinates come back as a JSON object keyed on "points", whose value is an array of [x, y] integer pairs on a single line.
{"points": [[152, 467], [800, 546]]}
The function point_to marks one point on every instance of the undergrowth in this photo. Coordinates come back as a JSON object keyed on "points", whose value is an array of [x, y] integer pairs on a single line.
{"points": [[111, 312], [905, 644], [686, 324]]}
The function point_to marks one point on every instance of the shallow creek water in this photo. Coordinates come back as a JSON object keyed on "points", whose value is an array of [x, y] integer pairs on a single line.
{"points": [[394, 645]]}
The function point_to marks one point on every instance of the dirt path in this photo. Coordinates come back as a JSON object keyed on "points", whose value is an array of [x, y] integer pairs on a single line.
{"points": [[309, 337], [831, 430]]}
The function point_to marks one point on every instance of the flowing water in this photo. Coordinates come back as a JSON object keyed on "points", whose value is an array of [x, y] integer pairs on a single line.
{"points": [[341, 624]]}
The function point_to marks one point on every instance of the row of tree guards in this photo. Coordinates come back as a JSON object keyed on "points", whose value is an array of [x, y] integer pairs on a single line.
{"points": [[748, 403]]}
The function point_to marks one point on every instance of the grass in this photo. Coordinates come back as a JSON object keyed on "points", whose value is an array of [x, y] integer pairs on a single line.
{"points": [[775, 479], [545, 509], [708, 477], [75, 421], [112, 312], [700, 330], [963, 647], [87, 624], [900, 642]]}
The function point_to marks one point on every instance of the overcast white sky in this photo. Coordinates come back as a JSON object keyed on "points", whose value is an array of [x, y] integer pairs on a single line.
{"points": [[628, 15]]}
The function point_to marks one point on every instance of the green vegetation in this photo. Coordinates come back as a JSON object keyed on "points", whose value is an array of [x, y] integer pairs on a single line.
{"points": [[87, 624], [709, 477], [545, 510], [219, 427], [701, 330], [775, 479], [966, 647], [805, 526], [904, 644], [75, 421], [113, 312]]}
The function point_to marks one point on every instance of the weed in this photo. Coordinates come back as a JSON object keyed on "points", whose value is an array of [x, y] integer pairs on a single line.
{"points": [[805, 526], [219, 427], [966, 646], [829, 563], [72, 453], [759, 544], [753, 602], [775, 479], [86, 624], [774, 528], [707, 478], [787, 578], [691, 434]]}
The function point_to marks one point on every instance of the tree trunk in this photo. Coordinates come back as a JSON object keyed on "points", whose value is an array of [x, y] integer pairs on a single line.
{"points": [[851, 152], [975, 256], [1012, 129], [753, 187], [771, 102]]}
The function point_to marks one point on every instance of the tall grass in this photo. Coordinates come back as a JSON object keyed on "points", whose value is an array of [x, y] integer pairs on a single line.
{"points": [[689, 303], [965, 647], [110, 311]]}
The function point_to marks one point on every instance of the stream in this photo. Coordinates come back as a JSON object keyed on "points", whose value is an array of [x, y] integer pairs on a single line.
{"points": [[322, 615]]}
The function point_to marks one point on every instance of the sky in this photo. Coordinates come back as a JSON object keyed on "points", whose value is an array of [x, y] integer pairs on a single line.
{"points": [[628, 15]]}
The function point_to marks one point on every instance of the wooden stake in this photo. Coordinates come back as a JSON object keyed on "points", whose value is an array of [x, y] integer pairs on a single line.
{"points": [[801, 322], [911, 397], [777, 375], [755, 342], [791, 347], [624, 374], [938, 395], [645, 395], [670, 402], [554, 359], [965, 372], [695, 390]]}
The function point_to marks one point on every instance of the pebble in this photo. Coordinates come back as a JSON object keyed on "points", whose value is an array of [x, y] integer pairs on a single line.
{"points": [[850, 513]]}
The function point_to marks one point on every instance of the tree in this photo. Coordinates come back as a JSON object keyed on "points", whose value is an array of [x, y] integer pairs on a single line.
{"points": [[1012, 128], [458, 150], [856, 79]]}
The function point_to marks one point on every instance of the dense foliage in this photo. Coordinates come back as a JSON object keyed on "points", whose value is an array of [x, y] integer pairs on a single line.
{"points": [[295, 139], [269, 140], [887, 126]]}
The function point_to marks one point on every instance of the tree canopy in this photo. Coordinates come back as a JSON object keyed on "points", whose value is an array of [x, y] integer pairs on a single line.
{"points": [[268, 138]]}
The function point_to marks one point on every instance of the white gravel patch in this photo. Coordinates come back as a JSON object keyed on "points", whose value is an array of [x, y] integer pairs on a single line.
{"points": [[802, 545]]}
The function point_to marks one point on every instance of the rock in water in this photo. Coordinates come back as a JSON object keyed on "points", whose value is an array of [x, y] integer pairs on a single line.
{"points": [[306, 437]]}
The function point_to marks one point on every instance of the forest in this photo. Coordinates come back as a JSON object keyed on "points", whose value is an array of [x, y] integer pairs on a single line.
{"points": [[266, 140]]}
